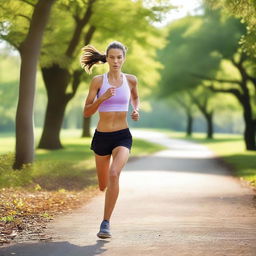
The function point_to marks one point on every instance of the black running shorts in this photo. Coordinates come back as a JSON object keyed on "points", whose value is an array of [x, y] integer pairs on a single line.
{"points": [[104, 142]]}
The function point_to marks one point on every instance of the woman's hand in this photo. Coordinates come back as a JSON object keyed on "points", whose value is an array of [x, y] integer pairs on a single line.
{"points": [[109, 93], [135, 115]]}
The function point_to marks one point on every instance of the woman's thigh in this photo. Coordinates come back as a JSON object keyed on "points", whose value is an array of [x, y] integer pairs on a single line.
{"points": [[120, 156], [102, 167]]}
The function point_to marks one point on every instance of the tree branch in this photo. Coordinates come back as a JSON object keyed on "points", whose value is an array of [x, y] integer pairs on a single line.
{"points": [[76, 79], [253, 79], [243, 72], [202, 107], [27, 2], [182, 103], [240, 62], [77, 74], [76, 14], [78, 29], [89, 34], [24, 16], [16, 46], [217, 80], [235, 92]]}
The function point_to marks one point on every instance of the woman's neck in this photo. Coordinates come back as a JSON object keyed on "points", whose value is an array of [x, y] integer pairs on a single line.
{"points": [[115, 75]]}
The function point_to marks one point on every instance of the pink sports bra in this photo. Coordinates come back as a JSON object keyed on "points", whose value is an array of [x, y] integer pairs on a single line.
{"points": [[118, 102]]}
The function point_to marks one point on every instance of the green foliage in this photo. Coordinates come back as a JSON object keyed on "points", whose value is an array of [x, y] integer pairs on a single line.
{"points": [[15, 18], [245, 10], [10, 177], [115, 23], [113, 20], [196, 47], [9, 218]]}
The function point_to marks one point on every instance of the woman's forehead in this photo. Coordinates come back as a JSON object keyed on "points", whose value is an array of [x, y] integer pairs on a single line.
{"points": [[115, 51]]}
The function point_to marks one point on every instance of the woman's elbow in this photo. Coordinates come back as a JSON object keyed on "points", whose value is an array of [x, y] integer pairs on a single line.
{"points": [[87, 114]]}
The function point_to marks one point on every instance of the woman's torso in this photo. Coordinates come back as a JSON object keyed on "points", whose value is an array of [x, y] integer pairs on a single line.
{"points": [[113, 120]]}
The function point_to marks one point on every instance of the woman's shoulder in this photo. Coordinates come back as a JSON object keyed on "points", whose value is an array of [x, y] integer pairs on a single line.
{"points": [[97, 80], [132, 79]]}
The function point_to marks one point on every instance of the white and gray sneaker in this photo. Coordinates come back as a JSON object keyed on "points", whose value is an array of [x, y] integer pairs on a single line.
{"points": [[104, 230]]}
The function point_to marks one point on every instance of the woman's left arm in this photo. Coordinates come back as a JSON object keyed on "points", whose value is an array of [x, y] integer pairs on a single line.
{"points": [[135, 101]]}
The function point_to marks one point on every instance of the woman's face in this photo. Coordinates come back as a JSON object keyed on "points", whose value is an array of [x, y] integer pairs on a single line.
{"points": [[115, 59]]}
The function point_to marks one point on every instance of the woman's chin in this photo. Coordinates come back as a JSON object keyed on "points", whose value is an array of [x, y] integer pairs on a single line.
{"points": [[115, 68]]}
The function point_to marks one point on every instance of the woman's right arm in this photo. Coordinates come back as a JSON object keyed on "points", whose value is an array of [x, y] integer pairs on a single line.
{"points": [[92, 105]]}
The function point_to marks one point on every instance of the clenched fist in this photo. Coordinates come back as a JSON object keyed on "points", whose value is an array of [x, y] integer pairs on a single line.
{"points": [[135, 115], [109, 93]]}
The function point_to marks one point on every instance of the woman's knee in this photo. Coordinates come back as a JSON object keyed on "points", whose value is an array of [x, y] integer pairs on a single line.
{"points": [[102, 187], [114, 177]]}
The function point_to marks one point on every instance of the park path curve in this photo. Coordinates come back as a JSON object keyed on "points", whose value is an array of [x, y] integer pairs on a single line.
{"points": [[180, 201]]}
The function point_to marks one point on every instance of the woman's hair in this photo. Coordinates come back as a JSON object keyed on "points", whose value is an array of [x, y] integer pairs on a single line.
{"points": [[91, 55]]}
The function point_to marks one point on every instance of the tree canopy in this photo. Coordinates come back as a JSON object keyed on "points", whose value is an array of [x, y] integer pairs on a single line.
{"points": [[196, 45], [194, 55], [245, 10]]}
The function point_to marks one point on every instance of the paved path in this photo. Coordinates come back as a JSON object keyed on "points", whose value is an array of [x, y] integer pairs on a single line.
{"points": [[178, 202]]}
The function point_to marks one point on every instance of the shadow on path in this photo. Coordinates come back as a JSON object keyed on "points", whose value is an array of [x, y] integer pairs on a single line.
{"points": [[54, 249]]}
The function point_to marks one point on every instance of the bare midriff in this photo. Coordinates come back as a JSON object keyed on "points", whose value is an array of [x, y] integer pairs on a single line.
{"points": [[112, 121]]}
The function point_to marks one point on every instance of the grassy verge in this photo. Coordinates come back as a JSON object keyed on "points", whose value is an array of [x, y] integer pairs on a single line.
{"points": [[229, 147]]}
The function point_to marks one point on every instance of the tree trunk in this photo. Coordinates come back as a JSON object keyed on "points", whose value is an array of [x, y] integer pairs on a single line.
{"points": [[55, 110], [30, 50], [86, 127], [187, 104], [249, 135], [56, 80], [243, 96], [209, 121], [203, 107], [249, 132], [189, 124]]}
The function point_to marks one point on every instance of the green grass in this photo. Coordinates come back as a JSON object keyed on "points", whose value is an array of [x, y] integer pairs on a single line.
{"points": [[71, 168]]}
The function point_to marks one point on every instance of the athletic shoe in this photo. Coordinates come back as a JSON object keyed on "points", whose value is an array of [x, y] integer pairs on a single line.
{"points": [[104, 230]]}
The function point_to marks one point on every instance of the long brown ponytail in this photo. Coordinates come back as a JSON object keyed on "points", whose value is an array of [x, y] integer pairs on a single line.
{"points": [[90, 57]]}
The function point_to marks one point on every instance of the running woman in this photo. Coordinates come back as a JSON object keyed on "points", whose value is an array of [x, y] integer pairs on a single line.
{"points": [[110, 94]]}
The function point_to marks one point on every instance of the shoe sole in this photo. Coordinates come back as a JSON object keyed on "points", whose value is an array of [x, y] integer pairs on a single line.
{"points": [[103, 235]]}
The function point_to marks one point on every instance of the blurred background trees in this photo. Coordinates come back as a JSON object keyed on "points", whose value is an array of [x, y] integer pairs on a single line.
{"points": [[28, 44], [196, 73], [245, 11], [197, 55]]}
